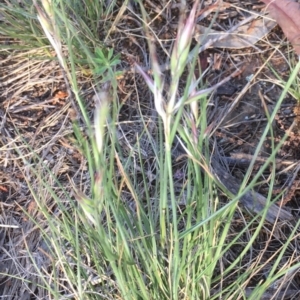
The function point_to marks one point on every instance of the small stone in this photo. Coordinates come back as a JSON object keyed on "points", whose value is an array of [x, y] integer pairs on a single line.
{"points": [[287, 111]]}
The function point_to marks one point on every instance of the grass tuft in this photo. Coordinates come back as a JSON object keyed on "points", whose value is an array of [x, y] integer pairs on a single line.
{"points": [[121, 193]]}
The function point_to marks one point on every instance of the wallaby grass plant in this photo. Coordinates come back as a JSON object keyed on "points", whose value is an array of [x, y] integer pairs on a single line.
{"points": [[100, 245]]}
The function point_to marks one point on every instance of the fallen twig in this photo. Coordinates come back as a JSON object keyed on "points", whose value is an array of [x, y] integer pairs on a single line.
{"points": [[251, 200]]}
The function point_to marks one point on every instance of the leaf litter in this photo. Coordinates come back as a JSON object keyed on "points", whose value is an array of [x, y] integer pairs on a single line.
{"points": [[286, 13]]}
